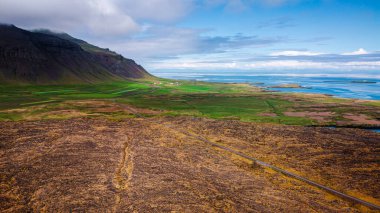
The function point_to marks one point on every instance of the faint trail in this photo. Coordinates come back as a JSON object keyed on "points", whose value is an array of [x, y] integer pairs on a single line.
{"points": [[124, 170], [264, 164], [123, 174]]}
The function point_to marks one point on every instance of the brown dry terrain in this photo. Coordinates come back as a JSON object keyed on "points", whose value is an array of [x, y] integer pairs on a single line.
{"points": [[139, 164]]}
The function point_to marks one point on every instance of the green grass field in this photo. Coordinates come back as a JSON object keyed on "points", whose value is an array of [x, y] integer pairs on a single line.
{"points": [[174, 98]]}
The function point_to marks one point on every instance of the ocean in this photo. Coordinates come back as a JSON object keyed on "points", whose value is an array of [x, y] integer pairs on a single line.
{"points": [[343, 86]]}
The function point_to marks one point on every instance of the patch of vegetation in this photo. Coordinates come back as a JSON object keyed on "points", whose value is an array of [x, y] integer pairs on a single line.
{"points": [[213, 100]]}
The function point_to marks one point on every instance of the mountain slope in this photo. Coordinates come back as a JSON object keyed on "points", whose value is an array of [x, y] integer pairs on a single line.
{"points": [[49, 58]]}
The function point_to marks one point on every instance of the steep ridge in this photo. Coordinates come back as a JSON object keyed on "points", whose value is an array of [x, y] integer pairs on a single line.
{"points": [[49, 58]]}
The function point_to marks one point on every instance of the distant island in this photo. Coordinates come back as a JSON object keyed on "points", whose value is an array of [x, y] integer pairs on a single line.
{"points": [[294, 86], [363, 82]]}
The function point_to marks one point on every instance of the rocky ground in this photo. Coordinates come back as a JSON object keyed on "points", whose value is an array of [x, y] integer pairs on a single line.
{"points": [[139, 164]]}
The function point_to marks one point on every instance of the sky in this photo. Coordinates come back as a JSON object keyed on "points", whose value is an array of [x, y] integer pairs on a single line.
{"points": [[249, 35]]}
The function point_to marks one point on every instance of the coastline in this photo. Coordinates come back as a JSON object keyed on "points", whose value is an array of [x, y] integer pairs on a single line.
{"points": [[342, 87]]}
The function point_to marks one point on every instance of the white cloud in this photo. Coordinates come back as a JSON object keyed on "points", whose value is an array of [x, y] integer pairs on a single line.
{"points": [[295, 53], [268, 64], [360, 51], [276, 2], [160, 42], [238, 5], [157, 10], [99, 17], [163, 42]]}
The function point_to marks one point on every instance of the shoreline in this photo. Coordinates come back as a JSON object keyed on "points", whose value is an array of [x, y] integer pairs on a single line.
{"points": [[330, 86]]}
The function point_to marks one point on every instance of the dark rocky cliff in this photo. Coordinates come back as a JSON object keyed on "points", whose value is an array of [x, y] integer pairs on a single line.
{"points": [[48, 58]]}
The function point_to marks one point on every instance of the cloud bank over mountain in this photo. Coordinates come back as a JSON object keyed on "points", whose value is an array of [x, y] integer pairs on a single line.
{"points": [[101, 17]]}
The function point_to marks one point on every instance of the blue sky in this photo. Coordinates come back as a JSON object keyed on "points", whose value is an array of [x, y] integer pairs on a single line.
{"points": [[347, 23], [185, 35]]}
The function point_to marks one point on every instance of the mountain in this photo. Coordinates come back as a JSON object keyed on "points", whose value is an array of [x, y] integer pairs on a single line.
{"points": [[45, 57]]}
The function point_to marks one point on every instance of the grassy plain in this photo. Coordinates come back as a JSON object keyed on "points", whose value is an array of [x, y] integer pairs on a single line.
{"points": [[168, 97]]}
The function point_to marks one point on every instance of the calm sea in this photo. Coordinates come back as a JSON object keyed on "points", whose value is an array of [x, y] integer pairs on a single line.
{"points": [[345, 87]]}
